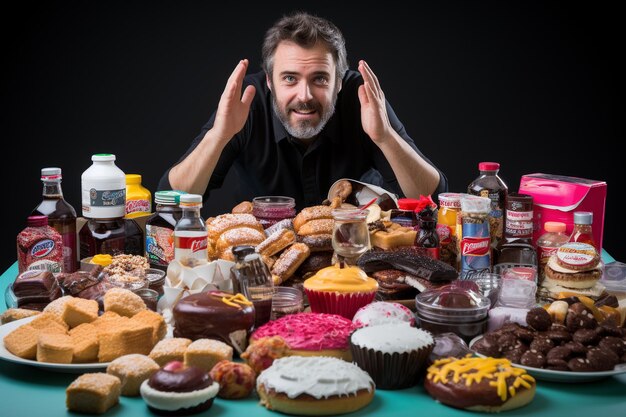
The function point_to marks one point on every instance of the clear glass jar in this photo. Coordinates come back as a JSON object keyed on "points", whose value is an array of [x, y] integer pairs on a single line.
{"points": [[255, 281], [156, 279], [271, 209], [150, 297], [351, 237], [449, 209], [286, 300]]}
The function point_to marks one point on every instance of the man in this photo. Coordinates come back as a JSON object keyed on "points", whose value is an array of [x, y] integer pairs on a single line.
{"points": [[303, 123]]}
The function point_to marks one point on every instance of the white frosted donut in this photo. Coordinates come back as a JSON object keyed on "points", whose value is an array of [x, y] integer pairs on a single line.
{"points": [[314, 385]]}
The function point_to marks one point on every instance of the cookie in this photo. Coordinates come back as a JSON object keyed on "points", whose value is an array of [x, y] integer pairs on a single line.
{"points": [[580, 365], [559, 352], [557, 365], [515, 355], [617, 345], [507, 342], [539, 319], [541, 344], [533, 358], [602, 359], [577, 348], [586, 337]]}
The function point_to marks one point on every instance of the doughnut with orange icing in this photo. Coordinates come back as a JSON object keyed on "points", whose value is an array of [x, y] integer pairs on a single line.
{"points": [[479, 384]]}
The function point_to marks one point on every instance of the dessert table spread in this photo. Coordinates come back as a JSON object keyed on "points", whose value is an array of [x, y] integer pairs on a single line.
{"points": [[34, 391]]}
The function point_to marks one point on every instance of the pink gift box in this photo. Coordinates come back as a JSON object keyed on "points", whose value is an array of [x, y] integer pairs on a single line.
{"points": [[557, 197]]}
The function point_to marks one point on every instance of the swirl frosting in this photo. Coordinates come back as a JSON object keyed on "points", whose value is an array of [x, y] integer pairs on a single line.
{"points": [[317, 376], [309, 331], [347, 279]]}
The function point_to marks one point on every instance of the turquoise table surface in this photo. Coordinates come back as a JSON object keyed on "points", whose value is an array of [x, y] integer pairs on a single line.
{"points": [[31, 392]]}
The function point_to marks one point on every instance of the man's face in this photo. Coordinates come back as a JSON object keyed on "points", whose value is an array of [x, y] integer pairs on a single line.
{"points": [[304, 88]]}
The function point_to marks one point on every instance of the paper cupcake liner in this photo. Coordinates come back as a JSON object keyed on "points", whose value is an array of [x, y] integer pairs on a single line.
{"points": [[392, 370], [345, 305]]}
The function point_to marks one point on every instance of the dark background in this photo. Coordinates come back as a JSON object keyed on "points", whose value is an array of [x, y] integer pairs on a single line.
{"points": [[536, 87]]}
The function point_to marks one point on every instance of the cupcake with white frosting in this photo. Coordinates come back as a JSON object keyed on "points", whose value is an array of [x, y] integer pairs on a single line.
{"points": [[392, 354]]}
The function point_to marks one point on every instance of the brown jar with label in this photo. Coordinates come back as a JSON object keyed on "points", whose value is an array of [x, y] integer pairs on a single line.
{"points": [[516, 249]]}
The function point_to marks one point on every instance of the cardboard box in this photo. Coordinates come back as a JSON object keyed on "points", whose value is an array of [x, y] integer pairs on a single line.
{"points": [[557, 197]]}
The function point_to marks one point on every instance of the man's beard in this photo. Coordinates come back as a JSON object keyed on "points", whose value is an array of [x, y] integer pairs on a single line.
{"points": [[304, 129]]}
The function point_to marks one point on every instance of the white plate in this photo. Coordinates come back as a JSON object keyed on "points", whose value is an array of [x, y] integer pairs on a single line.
{"points": [[5, 329], [561, 376]]}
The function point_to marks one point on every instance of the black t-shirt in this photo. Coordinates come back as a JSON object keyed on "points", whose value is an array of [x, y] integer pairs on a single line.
{"points": [[269, 162]]}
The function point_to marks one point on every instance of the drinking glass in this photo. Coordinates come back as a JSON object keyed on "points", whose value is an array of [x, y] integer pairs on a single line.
{"points": [[351, 237]]}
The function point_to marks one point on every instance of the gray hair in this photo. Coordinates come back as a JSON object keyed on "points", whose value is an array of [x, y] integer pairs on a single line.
{"points": [[305, 30]]}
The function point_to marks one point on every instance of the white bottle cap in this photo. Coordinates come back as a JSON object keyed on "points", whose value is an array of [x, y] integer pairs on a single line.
{"points": [[191, 198]]}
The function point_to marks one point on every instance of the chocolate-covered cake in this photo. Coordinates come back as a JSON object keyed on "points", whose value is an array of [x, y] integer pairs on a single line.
{"points": [[75, 282], [215, 315], [34, 289], [179, 390]]}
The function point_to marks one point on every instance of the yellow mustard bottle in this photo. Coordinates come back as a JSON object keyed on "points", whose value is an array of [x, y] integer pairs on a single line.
{"points": [[138, 198]]}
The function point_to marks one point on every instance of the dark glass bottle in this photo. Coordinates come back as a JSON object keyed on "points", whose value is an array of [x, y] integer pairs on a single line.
{"points": [[489, 184], [427, 236], [61, 215]]}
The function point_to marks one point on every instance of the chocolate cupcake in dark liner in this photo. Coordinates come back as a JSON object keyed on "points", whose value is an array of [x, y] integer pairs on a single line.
{"points": [[394, 355]]}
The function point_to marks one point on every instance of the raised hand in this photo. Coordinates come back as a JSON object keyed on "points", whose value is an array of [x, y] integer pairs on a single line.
{"points": [[373, 111], [233, 108]]}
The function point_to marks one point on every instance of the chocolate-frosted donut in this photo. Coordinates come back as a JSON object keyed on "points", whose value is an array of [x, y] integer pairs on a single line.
{"points": [[214, 315], [471, 383]]}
